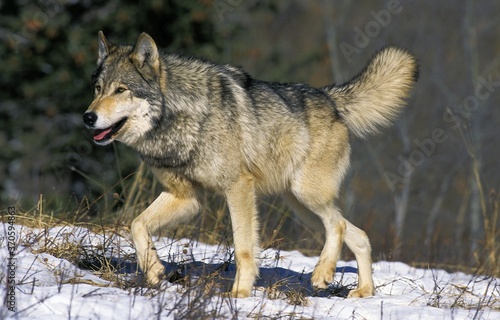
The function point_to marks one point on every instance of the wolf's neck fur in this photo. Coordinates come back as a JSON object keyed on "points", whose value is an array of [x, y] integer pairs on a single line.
{"points": [[171, 143]]}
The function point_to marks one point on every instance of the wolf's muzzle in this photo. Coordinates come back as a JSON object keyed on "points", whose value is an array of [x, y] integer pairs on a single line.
{"points": [[89, 118]]}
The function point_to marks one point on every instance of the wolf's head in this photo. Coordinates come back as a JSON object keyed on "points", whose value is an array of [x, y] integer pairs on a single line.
{"points": [[127, 91]]}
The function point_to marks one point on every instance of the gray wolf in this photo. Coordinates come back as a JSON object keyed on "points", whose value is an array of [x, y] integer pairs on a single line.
{"points": [[205, 126]]}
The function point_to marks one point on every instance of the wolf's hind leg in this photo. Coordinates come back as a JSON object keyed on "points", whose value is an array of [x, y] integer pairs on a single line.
{"points": [[338, 228], [357, 241], [243, 210], [167, 210], [335, 228]]}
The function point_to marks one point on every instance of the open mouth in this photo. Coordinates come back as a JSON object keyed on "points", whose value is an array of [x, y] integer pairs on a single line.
{"points": [[102, 135]]}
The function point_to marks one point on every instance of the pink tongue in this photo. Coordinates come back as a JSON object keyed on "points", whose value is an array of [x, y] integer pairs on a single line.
{"points": [[101, 135]]}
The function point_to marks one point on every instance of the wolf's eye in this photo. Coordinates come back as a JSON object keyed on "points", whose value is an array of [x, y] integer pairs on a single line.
{"points": [[120, 90], [97, 88]]}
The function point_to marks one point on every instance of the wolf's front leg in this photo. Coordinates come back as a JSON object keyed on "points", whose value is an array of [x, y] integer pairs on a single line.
{"points": [[167, 210], [243, 209]]}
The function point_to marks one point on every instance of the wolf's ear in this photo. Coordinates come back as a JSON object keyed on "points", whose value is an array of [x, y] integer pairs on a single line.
{"points": [[145, 53], [104, 46]]}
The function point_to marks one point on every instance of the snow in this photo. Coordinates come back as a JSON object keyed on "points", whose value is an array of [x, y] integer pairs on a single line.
{"points": [[48, 286]]}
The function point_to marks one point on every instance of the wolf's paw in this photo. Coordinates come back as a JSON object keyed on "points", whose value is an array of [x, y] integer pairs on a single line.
{"points": [[155, 275], [322, 276], [361, 293], [240, 293]]}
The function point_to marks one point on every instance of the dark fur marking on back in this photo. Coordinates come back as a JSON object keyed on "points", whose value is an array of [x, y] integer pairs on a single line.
{"points": [[226, 92]]}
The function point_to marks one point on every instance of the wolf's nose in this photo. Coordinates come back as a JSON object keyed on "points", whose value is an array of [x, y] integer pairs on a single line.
{"points": [[89, 118]]}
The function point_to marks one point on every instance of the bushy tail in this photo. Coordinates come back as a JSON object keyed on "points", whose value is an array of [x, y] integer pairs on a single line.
{"points": [[373, 98]]}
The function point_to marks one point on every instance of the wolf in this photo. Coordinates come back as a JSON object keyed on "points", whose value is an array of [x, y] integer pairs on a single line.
{"points": [[206, 126]]}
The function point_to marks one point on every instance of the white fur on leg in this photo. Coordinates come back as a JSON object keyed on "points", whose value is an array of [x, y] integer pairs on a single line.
{"points": [[165, 210], [357, 241]]}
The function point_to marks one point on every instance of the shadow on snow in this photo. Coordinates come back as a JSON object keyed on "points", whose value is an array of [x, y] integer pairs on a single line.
{"points": [[223, 275]]}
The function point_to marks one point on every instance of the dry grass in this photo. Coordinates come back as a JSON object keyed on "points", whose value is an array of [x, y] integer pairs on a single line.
{"points": [[201, 292], [282, 230], [279, 230], [64, 240]]}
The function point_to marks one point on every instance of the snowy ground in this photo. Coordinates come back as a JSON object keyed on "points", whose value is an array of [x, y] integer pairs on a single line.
{"points": [[48, 287]]}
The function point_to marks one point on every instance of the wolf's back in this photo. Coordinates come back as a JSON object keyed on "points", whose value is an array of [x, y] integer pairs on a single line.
{"points": [[373, 98]]}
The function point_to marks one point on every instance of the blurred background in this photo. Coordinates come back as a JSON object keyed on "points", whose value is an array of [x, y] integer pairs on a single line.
{"points": [[425, 190]]}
